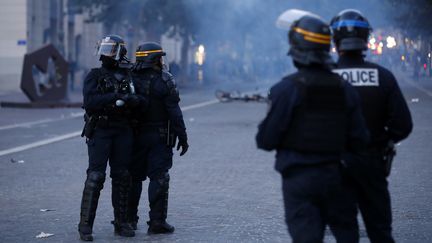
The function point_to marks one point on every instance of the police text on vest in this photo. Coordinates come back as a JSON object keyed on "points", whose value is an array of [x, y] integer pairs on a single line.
{"points": [[359, 76]]}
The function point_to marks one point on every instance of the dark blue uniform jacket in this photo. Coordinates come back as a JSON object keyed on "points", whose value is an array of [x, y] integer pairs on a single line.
{"points": [[384, 108], [284, 98]]}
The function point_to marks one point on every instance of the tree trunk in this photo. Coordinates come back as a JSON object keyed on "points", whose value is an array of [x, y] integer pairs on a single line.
{"points": [[71, 49], [184, 61]]}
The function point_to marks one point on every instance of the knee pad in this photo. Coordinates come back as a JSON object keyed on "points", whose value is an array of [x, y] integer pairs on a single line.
{"points": [[158, 187], [162, 179], [95, 180]]}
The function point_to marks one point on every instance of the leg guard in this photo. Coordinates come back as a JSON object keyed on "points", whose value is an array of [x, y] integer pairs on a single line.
{"points": [[158, 196], [133, 203], [92, 187], [120, 190], [158, 199]]}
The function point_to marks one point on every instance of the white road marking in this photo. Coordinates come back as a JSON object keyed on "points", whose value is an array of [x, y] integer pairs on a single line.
{"points": [[78, 133], [40, 143], [48, 120], [191, 107], [80, 114]]}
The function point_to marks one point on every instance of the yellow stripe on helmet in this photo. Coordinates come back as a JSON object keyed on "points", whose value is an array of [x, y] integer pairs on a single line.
{"points": [[146, 53], [316, 40], [312, 34]]}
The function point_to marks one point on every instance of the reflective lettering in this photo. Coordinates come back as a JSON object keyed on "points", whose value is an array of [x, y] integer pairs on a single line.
{"points": [[359, 76]]}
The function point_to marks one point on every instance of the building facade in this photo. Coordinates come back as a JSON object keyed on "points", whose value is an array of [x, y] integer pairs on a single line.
{"points": [[13, 40]]}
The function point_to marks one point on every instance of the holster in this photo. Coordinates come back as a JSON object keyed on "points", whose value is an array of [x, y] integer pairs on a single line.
{"points": [[389, 153], [89, 126], [167, 136], [164, 130]]}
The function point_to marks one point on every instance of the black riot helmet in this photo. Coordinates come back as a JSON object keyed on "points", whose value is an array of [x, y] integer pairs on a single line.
{"points": [[113, 47], [350, 30], [310, 41], [149, 54]]}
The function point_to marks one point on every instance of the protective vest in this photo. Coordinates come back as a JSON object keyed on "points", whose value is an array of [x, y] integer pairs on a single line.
{"points": [[118, 82], [156, 112], [318, 124], [114, 82], [373, 88]]}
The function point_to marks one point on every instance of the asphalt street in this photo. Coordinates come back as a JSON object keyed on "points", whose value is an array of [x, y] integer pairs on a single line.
{"points": [[222, 190]]}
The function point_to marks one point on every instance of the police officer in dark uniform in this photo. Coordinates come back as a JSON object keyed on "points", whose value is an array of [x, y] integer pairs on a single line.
{"points": [[158, 128], [314, 116], [108, 100], [387, 117]]}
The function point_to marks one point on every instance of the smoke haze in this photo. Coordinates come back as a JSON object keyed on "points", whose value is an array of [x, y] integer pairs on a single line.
{"points": [[241, 38]]}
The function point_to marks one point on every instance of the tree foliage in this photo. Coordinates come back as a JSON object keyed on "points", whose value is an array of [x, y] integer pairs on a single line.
{"points": [[412, 17], [156, 17], [243, 29]]}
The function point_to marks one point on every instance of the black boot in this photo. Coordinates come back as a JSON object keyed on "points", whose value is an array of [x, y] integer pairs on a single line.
{"points": [[120, 191], [92, 187], [133, 202], [158, 199], [159, 227]]}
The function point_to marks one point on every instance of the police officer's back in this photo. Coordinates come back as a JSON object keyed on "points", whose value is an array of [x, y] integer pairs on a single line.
{"points": [[158, 127], [388, 120], [314, 116]]}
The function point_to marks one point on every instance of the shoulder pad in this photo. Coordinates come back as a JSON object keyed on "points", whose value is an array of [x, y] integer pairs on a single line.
{"points": [[101, 70], [298, 78], [96, 71], [125, 65], [167, 76]]}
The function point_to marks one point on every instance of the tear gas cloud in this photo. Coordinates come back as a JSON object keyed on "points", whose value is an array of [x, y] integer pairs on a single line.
{"points": [[242, 41]]}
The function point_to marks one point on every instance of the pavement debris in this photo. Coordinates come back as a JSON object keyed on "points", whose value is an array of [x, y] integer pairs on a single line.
{"points": [[43, 235], [46, 210], [19, 161], [415, 100]]}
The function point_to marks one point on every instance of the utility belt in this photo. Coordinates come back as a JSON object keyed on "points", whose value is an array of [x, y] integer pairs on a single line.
{"points": [[164, 130], [111, 121], [295, 168], [103, 121], [151, 125]]}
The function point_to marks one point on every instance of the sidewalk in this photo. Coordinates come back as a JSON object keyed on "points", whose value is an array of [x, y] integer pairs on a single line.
{"points": [[184, 88]]}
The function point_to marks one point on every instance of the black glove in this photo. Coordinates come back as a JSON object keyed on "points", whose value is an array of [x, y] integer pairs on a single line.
{"points": [[184, 147], [132, 100]]}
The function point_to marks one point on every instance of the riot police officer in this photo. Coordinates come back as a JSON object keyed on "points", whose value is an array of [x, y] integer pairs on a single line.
{"points": [[108, 99], [314, 115], [387, 117], [158, 128]]}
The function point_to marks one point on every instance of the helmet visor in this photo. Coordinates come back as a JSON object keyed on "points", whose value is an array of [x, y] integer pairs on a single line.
{"points": [[110, 48], [164, 63]]}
